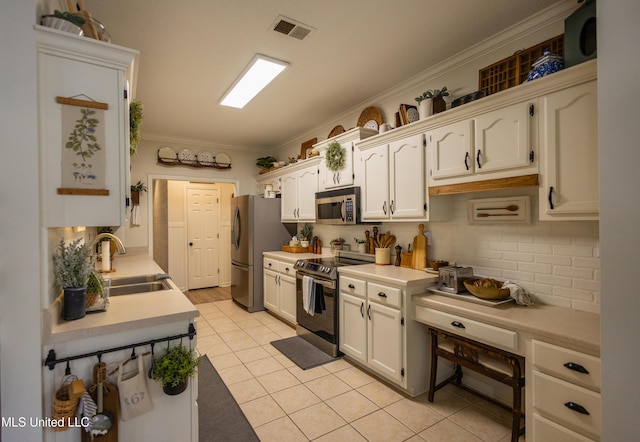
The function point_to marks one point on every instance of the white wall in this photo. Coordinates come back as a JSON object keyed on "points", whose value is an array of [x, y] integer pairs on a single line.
{"points": [[242, 172], [619, 114], [20, 234]]}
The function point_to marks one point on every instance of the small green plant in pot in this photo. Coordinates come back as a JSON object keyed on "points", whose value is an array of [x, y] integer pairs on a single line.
{"points": [[174, 368], [306, 232], [72, 267]]}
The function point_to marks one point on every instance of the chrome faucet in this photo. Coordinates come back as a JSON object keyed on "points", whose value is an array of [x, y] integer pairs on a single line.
{"points": [[119, 244]]}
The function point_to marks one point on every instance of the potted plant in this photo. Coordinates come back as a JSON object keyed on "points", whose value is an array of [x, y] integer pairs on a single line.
{"points": [[265, 163], [361, 244], [64, 21], [72, 266], [96, 288], [174, 368], [337, 243], [135, 123], [432, 102], [305, 235], [135, 192]]}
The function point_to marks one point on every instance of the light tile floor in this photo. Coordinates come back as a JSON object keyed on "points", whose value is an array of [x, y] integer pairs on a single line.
{"points": [[334, 402]]}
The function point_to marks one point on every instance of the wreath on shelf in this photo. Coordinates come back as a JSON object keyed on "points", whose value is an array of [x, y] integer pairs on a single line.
{"points": [[334, 156]]}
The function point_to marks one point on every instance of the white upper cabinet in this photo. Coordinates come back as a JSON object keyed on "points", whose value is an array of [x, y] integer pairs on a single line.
{"points": [[298, 190], [407, 186], [90, 71], [375, 183], [569, 151], [495, 144], [346, 175]]}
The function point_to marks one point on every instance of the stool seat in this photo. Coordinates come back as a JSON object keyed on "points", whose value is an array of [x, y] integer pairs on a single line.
{"points": [[498, 364]]}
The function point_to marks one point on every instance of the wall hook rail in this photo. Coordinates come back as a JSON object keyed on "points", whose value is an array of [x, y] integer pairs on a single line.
{"points": [[51, 359]]}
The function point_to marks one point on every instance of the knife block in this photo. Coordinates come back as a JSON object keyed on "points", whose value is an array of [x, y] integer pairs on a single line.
{"points": [[407, 259]]}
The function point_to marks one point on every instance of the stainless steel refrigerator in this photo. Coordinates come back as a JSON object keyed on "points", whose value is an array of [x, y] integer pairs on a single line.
{"points": [[255, 228]]}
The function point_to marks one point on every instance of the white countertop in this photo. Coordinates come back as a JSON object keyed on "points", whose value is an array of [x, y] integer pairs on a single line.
{"points": [[125, 312], [390, 274], [557, 324], [293, 257]]}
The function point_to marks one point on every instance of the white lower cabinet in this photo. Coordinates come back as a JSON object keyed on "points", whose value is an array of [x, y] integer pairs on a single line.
{"points": [[280, 289], [565, 388], [371, 328]]}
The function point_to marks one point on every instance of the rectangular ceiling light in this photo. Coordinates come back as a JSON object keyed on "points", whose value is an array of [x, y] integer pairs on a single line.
{"points": [[259, 73]]}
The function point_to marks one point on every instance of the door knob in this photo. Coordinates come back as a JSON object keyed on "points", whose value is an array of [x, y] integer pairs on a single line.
{"points": [[190, 244]]}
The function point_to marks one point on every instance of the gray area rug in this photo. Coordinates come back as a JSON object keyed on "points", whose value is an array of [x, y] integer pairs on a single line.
{"points": [[219, 415], [303, 353]]}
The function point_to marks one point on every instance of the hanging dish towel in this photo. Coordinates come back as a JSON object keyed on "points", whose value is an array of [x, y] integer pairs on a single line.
{"points": [[134, 394], [308, 295], [519, 293], [135, 215]]}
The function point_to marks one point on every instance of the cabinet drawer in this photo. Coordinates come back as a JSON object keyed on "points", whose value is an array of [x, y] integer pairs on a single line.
{"points": [[560, 401], [286, 268], [355, 287], [383, 294], [478, 331], [270, 264], [577, 368], [546, 430]]}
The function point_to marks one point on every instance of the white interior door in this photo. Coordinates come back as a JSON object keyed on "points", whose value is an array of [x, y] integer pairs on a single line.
{"points": [[203, 236]]}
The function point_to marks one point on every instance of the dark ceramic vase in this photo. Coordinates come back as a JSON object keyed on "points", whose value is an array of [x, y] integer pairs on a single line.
{"points": [[74, 303], [172, 391], [439, 105]]}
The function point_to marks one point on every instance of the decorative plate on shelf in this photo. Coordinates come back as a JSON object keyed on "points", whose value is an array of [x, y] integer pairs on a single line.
{"points": [[205, 158], [370, 113], [371, 124], [336, 131], [187, 156], [412, 114], [223, 160], [167, 154]]}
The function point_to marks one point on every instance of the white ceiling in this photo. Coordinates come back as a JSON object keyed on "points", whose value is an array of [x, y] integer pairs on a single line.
{"points": [[192, 50]]}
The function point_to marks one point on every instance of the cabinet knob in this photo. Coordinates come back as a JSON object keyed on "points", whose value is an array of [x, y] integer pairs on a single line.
{"points": [[351, 286], [458, 324], [382, 294]]}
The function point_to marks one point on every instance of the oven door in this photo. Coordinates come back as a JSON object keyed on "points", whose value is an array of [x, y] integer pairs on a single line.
{"points": [[324, 322]]}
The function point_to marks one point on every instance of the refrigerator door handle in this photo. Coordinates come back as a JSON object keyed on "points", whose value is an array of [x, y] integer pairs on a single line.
{"points": [[235, 231], [240, 267]]}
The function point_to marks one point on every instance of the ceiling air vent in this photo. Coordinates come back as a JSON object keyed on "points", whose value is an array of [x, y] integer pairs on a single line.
{"points": [[291, 28]]}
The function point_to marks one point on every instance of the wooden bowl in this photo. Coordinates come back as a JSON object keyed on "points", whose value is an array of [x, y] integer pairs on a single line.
{"points": [[489, 293], [435, 265]]}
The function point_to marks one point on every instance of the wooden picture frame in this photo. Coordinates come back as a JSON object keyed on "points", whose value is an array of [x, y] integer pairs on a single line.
{"points": [[305, 150]]}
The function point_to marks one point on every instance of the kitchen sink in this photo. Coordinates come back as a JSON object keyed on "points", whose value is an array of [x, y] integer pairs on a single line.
{"points": [[138, 284]]}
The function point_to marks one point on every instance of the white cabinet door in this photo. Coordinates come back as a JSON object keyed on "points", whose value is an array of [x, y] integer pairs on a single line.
{"points": [[569, 154], [375, 186], [94, 190], [503, 138], [385, 346], [307, 188], [353, 327], [341, 178], [407, 184], [288, 296], [451, 150], [289, 197], [271, 291]]}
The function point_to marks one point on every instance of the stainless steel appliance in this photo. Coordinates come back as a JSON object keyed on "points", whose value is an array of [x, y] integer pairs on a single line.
{"points": [[255, 228], [321, 328], [451, 278], [340, 206]]}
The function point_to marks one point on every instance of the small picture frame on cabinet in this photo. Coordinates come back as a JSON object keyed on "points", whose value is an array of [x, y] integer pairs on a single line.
{"points": [[305, 149]]}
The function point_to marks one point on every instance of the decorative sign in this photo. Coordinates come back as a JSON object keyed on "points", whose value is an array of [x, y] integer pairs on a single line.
{"points": [[83, 155]]}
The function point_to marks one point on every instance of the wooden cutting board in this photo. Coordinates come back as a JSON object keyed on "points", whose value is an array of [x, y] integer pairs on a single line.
{"points": [[419, 258]]}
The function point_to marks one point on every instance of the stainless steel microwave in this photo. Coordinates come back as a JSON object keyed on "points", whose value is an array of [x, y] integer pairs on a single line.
{"points": [[341, 206]]}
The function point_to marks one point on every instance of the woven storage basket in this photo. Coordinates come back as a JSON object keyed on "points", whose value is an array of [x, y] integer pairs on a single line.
{"points": [[513, 70], [64, 405]]}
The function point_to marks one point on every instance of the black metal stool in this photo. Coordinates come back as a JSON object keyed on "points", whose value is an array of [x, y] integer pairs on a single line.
{"points": [[498, 364]]}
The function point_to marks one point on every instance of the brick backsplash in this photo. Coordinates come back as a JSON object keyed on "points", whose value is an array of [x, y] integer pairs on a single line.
{"points": [[557, 261]]}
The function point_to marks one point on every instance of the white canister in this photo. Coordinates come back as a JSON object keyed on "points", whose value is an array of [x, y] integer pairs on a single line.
{"points": [[383, 256], [268, 190]]}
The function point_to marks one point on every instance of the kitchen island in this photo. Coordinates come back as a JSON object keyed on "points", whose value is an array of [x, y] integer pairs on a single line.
{"points": [[129, 319]]}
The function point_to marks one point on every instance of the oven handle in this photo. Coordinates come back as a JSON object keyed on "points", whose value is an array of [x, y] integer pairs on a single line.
{"points": [[324, 283]]}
